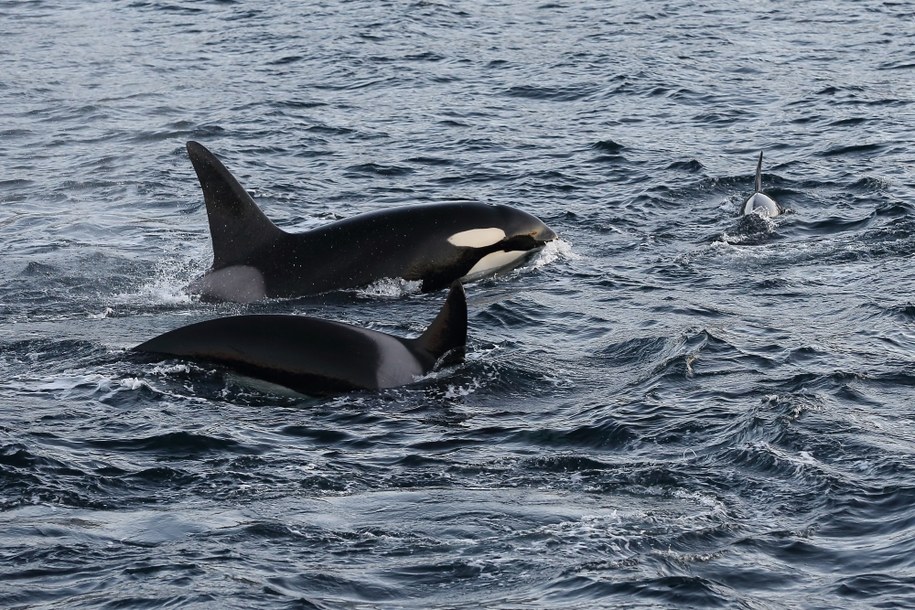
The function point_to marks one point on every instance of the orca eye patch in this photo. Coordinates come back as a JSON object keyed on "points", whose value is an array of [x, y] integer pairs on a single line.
{"points": [[477, 238]]}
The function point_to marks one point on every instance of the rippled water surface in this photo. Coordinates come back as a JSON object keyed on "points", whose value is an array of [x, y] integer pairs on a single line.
{"points": [[671, 407]]}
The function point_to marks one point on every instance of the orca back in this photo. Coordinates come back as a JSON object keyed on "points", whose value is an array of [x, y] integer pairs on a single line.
{"points": [[316, 356]]}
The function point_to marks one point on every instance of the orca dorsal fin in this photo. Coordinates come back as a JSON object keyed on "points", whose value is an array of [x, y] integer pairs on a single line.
{"points": [[759, 173], [237, 226], [445, 339]]}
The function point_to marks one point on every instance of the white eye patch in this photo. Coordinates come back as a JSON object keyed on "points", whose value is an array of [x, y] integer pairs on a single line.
{"points": [[477, 238]]}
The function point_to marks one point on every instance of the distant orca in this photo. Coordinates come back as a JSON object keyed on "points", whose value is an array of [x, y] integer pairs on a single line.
{"points": [[434, 243], [760, 203], [318, 357]]}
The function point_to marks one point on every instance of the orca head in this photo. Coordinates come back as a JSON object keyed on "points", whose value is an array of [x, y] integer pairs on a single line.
{"points": [[503, 241]]}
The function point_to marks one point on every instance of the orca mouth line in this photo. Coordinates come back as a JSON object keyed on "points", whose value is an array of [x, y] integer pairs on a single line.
{"points": [[525, 242]]}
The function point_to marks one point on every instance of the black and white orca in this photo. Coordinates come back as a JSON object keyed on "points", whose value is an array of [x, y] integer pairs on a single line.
{"points": [[759, 203], [436, 244], [316, 356]]}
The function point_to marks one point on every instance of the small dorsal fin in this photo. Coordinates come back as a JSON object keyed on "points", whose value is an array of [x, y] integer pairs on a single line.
{"points": [[446, 336], [759, 173], [237, 226]]}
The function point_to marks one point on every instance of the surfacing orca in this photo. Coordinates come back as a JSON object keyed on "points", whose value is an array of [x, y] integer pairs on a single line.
{"points": [[433, 243], [316, 356], [760, 203]]}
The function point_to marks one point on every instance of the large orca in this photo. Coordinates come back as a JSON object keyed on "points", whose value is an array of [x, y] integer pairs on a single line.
{"points": [[315, 356], [433, 243], [760, 203]]}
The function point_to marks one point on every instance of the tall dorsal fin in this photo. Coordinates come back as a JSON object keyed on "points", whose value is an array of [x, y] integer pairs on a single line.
{"points": [[237, 226], [447, 335], [759, 173]]}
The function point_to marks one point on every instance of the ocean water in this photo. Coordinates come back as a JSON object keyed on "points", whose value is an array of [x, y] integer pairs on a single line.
{"points": [[670, 407]]}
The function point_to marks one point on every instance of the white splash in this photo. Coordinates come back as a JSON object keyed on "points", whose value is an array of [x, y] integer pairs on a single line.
{"points": [[102, 315], [169, 370], [391, 287], [166, 285], [553, 251], [162, 290], [457, 391], [132, 383]]}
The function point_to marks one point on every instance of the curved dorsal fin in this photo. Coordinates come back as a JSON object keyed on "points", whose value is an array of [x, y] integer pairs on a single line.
{"points": [[238, 228], [759, 173], [446, 337]]}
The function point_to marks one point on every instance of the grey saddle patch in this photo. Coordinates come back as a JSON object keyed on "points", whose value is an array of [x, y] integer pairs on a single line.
{"points": [[239, 283]]}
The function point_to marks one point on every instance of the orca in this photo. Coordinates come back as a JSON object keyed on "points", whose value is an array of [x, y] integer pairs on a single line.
{"points": [[759, 203], [315, 356], [435, 244]]}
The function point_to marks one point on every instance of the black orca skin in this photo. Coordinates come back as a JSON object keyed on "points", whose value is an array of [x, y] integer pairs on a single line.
{"points": [[316, 356], [435, 244]]}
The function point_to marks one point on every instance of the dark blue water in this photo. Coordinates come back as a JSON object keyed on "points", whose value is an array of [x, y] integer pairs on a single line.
{"points": [[669, 408]]}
